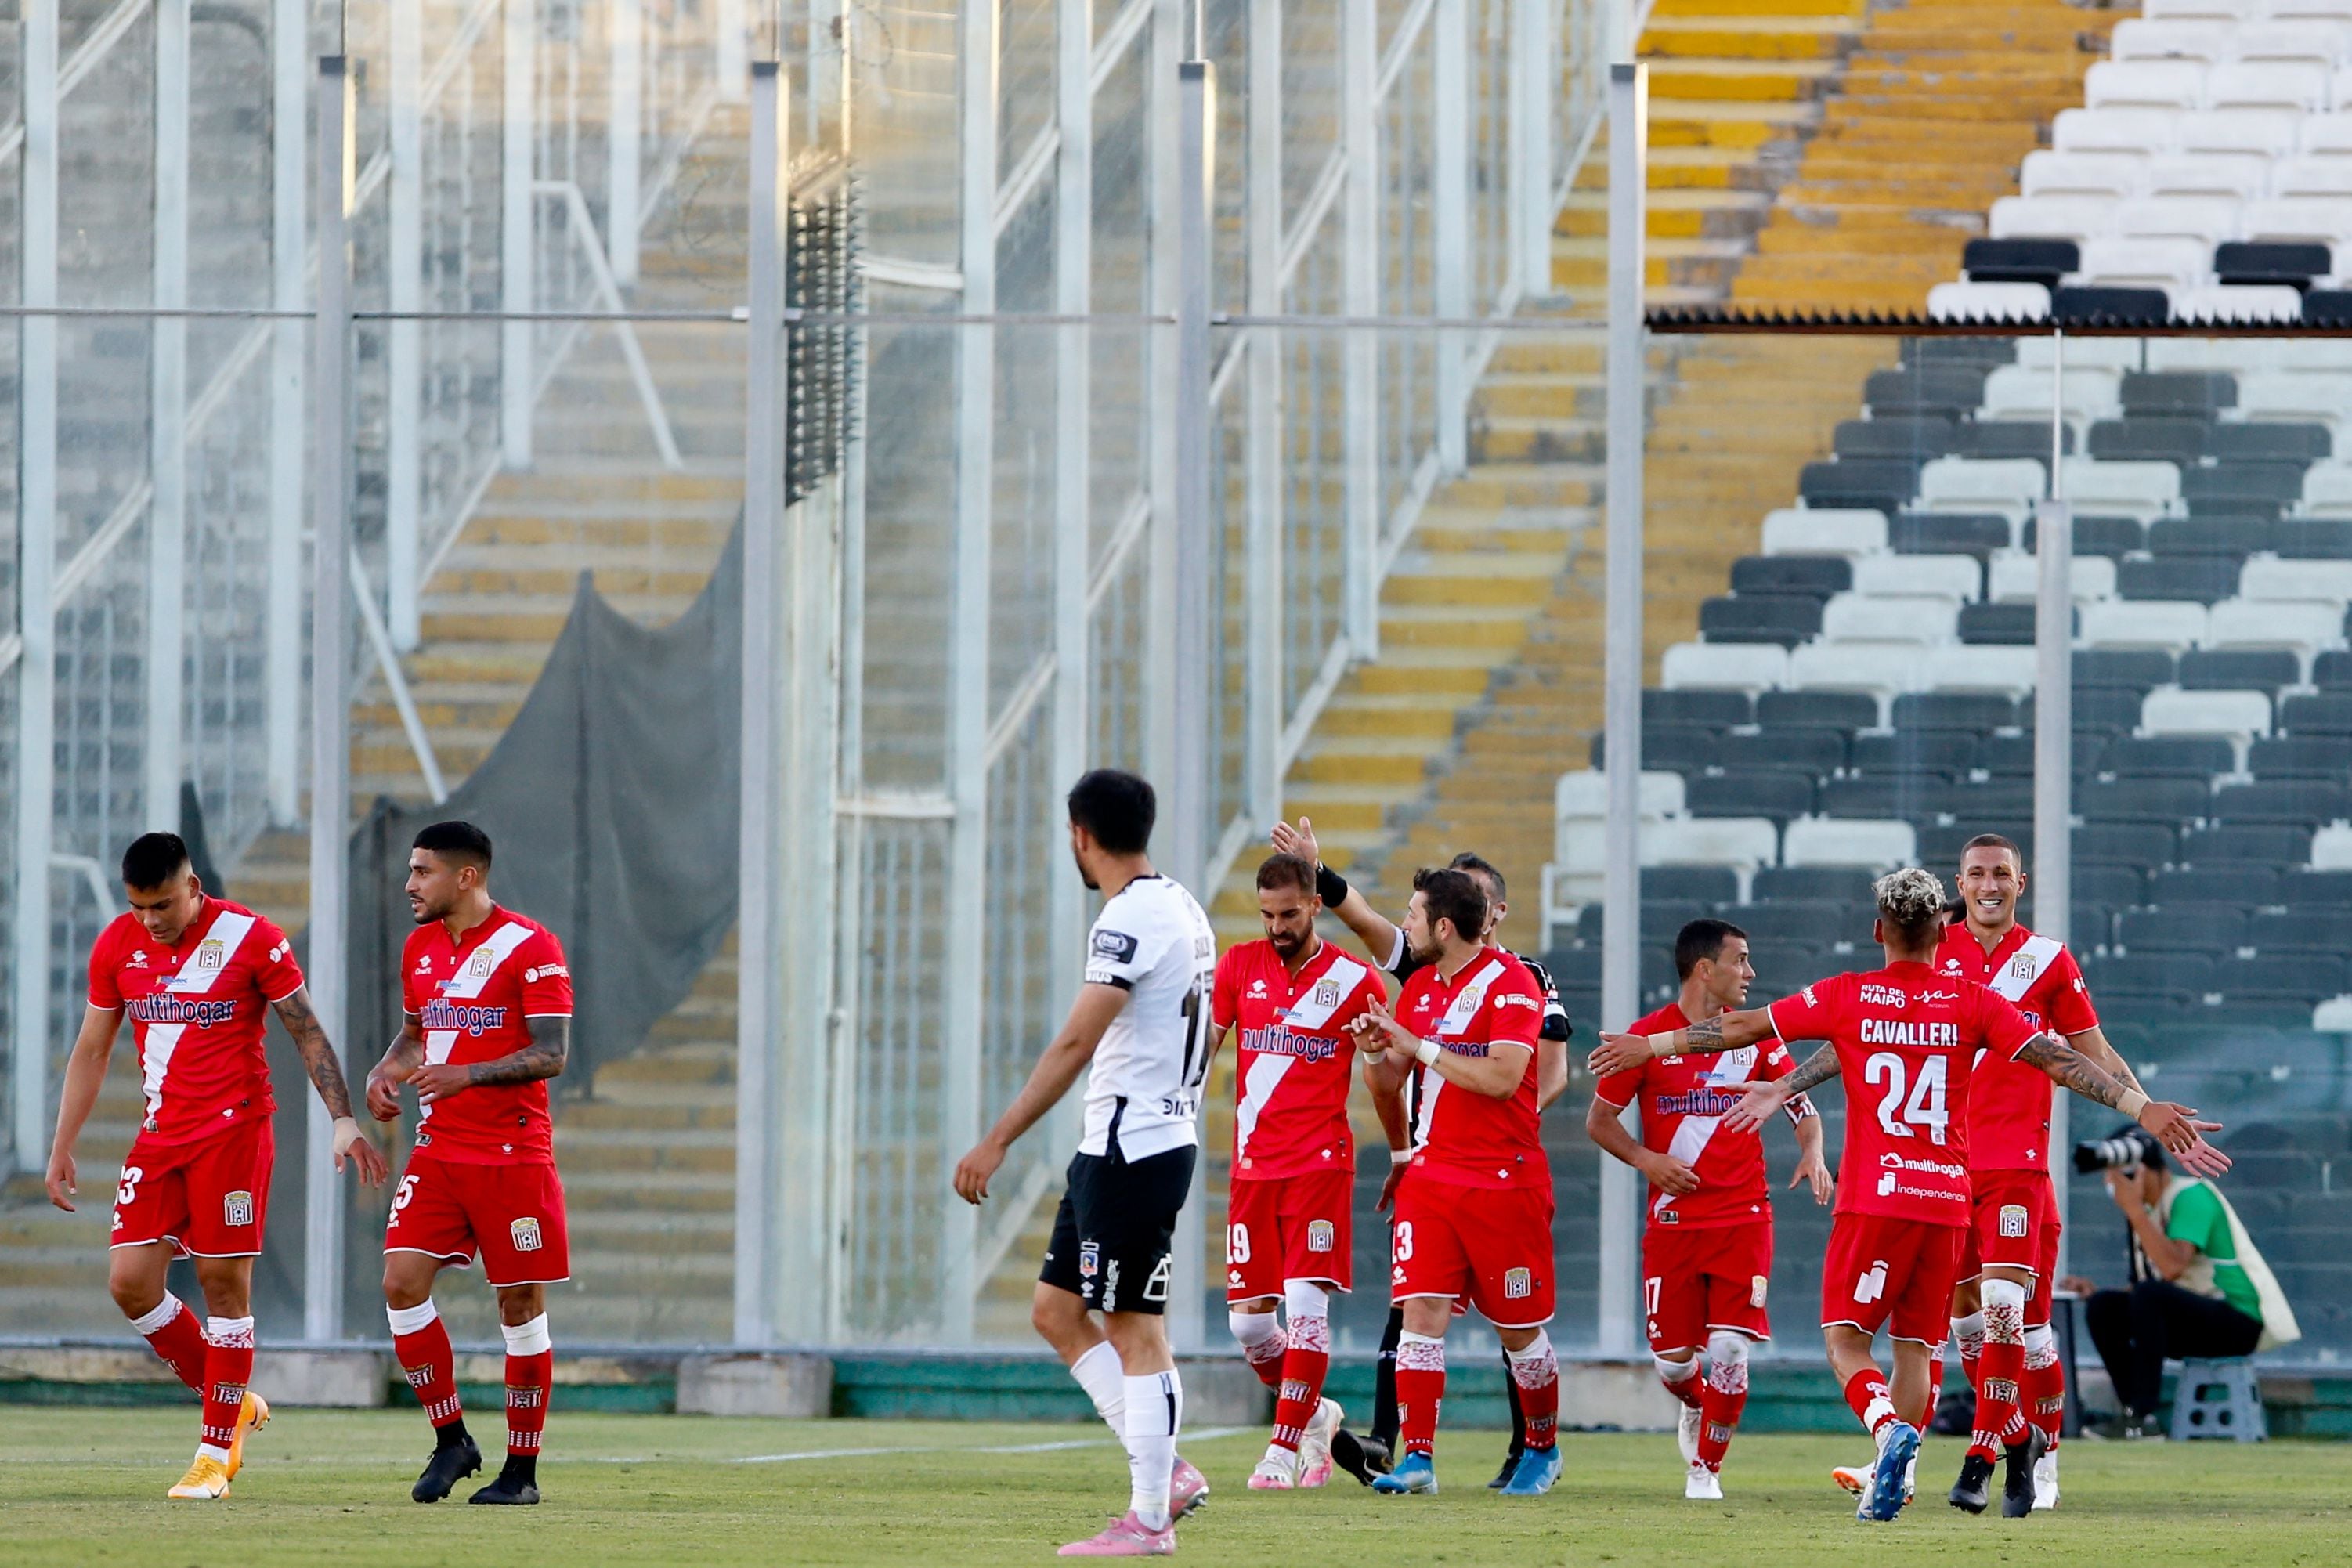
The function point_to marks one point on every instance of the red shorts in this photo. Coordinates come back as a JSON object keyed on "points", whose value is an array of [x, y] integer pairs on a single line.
{"points": [[208, 1199], [2016, 1226], [1490, 1245], [512, 1214], [1711, 1278], [1879, 1268], [1288, 1227]]}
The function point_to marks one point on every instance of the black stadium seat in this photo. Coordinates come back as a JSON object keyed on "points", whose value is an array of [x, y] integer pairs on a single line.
{"points": [[2182, 928], [1944, 754], [1830, 884], [2239, 669], [1781, 797], [1940, 844], [2197, 757], [2299, 757], [1916, 437], [2113, 537], [1818, 576], [2261, 844], [2142, 799], [2304, 803], [2272, 440], [1846, 710], [1787, 619], [2206, 580], [1973, 800], [2301, 977], [1974, 710], [2200, 393], [2174, 438], [1811, 753], [1878, 484], [2242, 486], [1870, 798], [2142, 844], [1668, 748], [1949, 533], [2042, 261], [1713, 709], [2331, 672], [2012, 756], [2320, 713], [2235, 537], [2180, 977], [2010, 438], [2327, 930], [2110, 886], [2243, 886], [2294, 264], [2307, 890], [2312, 538], [2110, 708], [1948, 389], [2090, 305], [1711, 884], [1779, 924], [2328, 307], [2002, 625], [2139, 669]]}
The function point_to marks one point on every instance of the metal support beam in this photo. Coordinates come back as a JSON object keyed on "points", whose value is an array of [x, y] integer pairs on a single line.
{"points": [[624, 147], [519, 226], [289, 67], [1450, 107], [403, 359], [1262, 432], [1535, 24], [757, 1280], [331, 663], [964, 912], [1621, 950], [730, 20], [1360, 269], [1074, 349], [2054, 750], [37, 555], [167, 430]]}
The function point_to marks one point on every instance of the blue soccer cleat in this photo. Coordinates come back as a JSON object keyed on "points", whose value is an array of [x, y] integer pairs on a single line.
{"points": [[1883, 1501], [1538, 1469], [1413, 1473]]}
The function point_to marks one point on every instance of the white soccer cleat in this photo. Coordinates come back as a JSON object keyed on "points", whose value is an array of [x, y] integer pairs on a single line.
{"points": [[1686, 1434], [1315, 1444], [1277, 1472], [1702, 1485], [2045, 1482]]}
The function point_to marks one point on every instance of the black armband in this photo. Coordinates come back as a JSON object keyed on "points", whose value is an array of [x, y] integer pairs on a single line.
{"points": [[1330, 887]]}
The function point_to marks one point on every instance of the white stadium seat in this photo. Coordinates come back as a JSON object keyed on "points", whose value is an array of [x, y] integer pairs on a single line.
{"points": [[2116, 130], [2237, 176], [2331, 849], [2208, 220], [2016, 578], [2295, 394], [2116, 174], [1585, 793], [2303, 629], [1954, 577], [1723, 667], [2023, 391], [2142, 38], [2145, 84], [1825, 531], [2240, 302], [2328, 490], [2261, 84], [2319, 41], [2313, 174], [2339, 88], [2243, 356], [2268, 132], [1894, 618], [2143, 489], [1881, 669], [1963, 667], [2172, 624], [2174, 263], [2080, 354], [2327, 135], [1836, 841], [2333, 1016], [2172, 710], [2325, 219], [1960, 484], [1968, 301], [2340, 10], [2078, 218], [2269, 578], [2220, 10], [1742, 842]]}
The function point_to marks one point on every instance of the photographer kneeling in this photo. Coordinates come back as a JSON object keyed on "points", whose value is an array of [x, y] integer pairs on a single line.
{"points": [[2199, 1289]]}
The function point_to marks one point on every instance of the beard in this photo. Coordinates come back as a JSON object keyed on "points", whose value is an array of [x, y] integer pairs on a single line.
{"points": [[1419, 953], [1284, 943], [425, 913], [1092, 886]]}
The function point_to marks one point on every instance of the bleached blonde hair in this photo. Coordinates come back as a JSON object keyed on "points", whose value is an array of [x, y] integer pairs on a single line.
{"points": [[1910, 900]]}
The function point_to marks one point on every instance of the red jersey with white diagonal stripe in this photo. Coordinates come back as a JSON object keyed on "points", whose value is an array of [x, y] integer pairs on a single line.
{"points": [[197, 1010], [2008, 1103], [1290, 1111], [1459, 1136], [1682, 1114], [471, 995], [1906, 1039]]}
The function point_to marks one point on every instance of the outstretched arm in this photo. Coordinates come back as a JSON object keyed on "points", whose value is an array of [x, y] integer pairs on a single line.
{"points": [[1810, 1164], [301, 1021], [2174, 1126], [1724, 1031], [1058, 1067], [1757, 1106], [1379, 935], [2093, 1043], [1496, 1075]]}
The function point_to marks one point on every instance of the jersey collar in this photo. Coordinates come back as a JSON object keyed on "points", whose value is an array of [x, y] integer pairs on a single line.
{"points": [[474, 935]]}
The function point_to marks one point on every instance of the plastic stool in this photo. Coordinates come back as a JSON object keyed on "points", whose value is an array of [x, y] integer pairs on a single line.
{"points": [[2218, 1399]]}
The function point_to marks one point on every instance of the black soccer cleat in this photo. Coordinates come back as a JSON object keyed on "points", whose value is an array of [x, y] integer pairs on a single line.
{"points": [[518, 1484], [450, 1463], [1361, 1455], [2016, 1484], [1503, 1476], [1972, 1492]]}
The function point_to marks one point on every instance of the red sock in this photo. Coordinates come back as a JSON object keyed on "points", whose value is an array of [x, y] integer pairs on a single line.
{"points": [[1865, 1392], [228, 1367], [1420, 1387], [1535, 1370], [1935, 1385], [1720, 1404], [178, 1341], [1303, 1366], [428, 1363], [1999, 1419], [1265, 1358], [2045, 1386], [1686, 1389], [531, 1367]]}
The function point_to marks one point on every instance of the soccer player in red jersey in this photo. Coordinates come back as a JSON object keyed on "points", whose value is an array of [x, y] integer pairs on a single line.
{"points": [[196, 974], [486, 1000], [1288, 1231], [1707, 1251], [1904, 1037], [1474, 1205]]}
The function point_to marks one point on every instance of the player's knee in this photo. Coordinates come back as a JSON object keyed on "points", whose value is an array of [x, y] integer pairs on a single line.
{"points": [[228, 1286], [1305, 1299], [1725, 1348], [1252, 1328], [1677, 1366], [518, 1304], [405, 1287], [134, 1292], [1056, 1315], [2004, 1303]]}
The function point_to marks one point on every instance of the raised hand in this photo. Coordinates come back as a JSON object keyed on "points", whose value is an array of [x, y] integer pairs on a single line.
{"points": [[1298, 841]]}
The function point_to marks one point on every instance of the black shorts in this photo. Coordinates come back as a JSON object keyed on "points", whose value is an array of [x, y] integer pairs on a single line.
{"points": [[1113, 1235]]}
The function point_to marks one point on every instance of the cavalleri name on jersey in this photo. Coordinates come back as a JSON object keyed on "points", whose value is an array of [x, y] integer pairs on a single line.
{"points": [[1276, 1040], [164, 1009], [469, 1020], [1907, 1032]]}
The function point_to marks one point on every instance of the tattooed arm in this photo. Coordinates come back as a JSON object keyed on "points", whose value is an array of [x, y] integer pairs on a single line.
{"points": [[2174, 1126], [399, 1059], [1724, 1031], [551, 1046], [301, 1021], [1761, 1100]]}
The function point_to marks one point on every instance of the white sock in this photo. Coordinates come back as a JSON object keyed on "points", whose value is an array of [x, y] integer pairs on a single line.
{"points": [[528, 1339], [1105, 1381], [168, 1308], [1155, 1410]]}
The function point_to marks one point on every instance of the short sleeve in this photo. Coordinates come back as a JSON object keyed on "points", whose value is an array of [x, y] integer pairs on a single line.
{"points": [[1225, 993], [1514, 1010], [1368, 991], [2195, 1218], [546, 978], [1619, 1089], [1117, 954], [2070, 1011], [1773, 1061], [104, 995], [1811, 1013], [274, 968], [410, 1001], [2000, 1026]]}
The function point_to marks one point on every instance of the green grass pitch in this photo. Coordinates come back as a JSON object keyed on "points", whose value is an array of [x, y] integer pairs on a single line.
{"points": [[85, 1487]]}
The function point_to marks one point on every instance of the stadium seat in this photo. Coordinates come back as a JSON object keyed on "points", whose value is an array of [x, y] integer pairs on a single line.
{"points": [[2116, 130], [2239, 669], [2111, 709], [1784, 618], [1818, 577], [1880, 668], [2146, 84], [2239, 302], [2114, 355], [1941, 843], [1907, 618], [2205, 220], [2182, 928], [1743, 844], [2333, 1016], [1708, 885], [1781, 923], [2111, 174], [2316, 888], [2331, 672], [1585, 794], [2304, 930], [1963, 669], [2266, 439], [2307, 803], [1916, 437], [2000, 438], [1976, 534], [2024, 392], [1812, 884], [2111, 886], [2243, 888], [2146, 437], [2196, 393], [2012, 756], [2331, 849], [1967, 484], [1672, 748], [2293, 263], [2145, 490], [1731, 667], [2136, 669], [2142, 845], [2076, 219], [1878, 796], [2261, 844], [1884, 485], [1998, 625], [2126, 799], [2235, 537], [2298, 757], [2265, 133], [1800, 531], [2197, 757], [1915, 389], [2318, 714], [1909, 750], [1812, 752], [2041, 262], [2243, 488], [2115, 624], [2176, 977], [1840, 712], [2299, 85], [2301, 627], [1819, 841], [2186, 580], [1968, 301], [2094, 535], [2141, 38], [2301, 541], [1980, 800], [2321, 43], [2299, 219], [2327, 491], [2239, 715], [2324, 134], [1717, 709], [1959, 578], [2286, 579], [2321, 307], [2015, 577], [2307, 978]]}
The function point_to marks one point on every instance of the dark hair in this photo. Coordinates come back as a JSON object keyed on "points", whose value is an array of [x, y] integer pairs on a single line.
{"points": [[1702, 940], [454, 841], [1452, 894], [154, 859], [1118, 808], [1479, 865], [1995, 841], [1287, 871]]}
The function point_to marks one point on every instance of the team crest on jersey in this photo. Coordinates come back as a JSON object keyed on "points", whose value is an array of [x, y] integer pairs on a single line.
{"points": [[1517, 1284], [479, 969], [1756, 1285], [2022, 969], [236, 1209], [211, 953], [1327, 995], [1319, 1235], [1089, 1259], [525, 1233], [2012, 1220]]}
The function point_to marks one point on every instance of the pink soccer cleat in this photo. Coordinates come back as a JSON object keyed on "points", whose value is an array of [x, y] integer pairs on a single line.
{"points": [[1187, 1488], [1126, 1536]]}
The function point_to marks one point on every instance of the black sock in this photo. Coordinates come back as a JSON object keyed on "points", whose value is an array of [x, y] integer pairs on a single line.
{"points": [[453, 1436], [1384, 1399], [521, 1469], [1518, 1416]]}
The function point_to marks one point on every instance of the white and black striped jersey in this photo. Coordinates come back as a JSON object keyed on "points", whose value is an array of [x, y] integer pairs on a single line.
{"points": [[1153, 941]]}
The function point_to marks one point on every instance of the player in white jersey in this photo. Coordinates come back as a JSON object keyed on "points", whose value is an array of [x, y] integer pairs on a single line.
{"points": [[1140, 1030]]}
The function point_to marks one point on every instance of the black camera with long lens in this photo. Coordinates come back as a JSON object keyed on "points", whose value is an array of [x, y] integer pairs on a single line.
{"points": [[2130, 1147]]}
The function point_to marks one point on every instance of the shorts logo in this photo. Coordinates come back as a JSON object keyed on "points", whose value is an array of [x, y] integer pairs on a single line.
{"points": [[1089, 1259], [1156, 1287], [1319, 1235], [1872, 1285], [210, 954], [236, 1209], [525, 1233], [1756, 1285], [2012, 1220], [1519, 1284]]}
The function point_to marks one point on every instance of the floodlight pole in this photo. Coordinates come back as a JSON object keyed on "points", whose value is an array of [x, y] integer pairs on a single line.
{"points": [[2053, 731]]}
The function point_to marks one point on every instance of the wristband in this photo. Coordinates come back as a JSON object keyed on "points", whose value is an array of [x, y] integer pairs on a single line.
{"points": [[1330, 887], [347, 1132], [1425, 1052], [2131, 1103], [1398, 1157]]}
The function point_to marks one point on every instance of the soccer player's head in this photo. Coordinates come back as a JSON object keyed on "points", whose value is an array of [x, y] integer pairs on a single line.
{"points": [[1992, 875], [1910, 914], [1713, 954], [1287, 904], [1111, 815], [1448, 913], [160, 885], [448, 863], [1490, 882]]}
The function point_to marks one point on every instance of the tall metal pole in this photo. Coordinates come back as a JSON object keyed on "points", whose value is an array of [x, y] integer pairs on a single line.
{"points": [[518, 228], [1360, 274], [756, 1035], [289, 112], [403, 340], [1450, 105], [1531, 90], [330, 664], [167, 454], [1073, 348], [36, 548], [625, 151], [1621, 949], [2053, 735], [1262, 434], [1196, 594]]}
